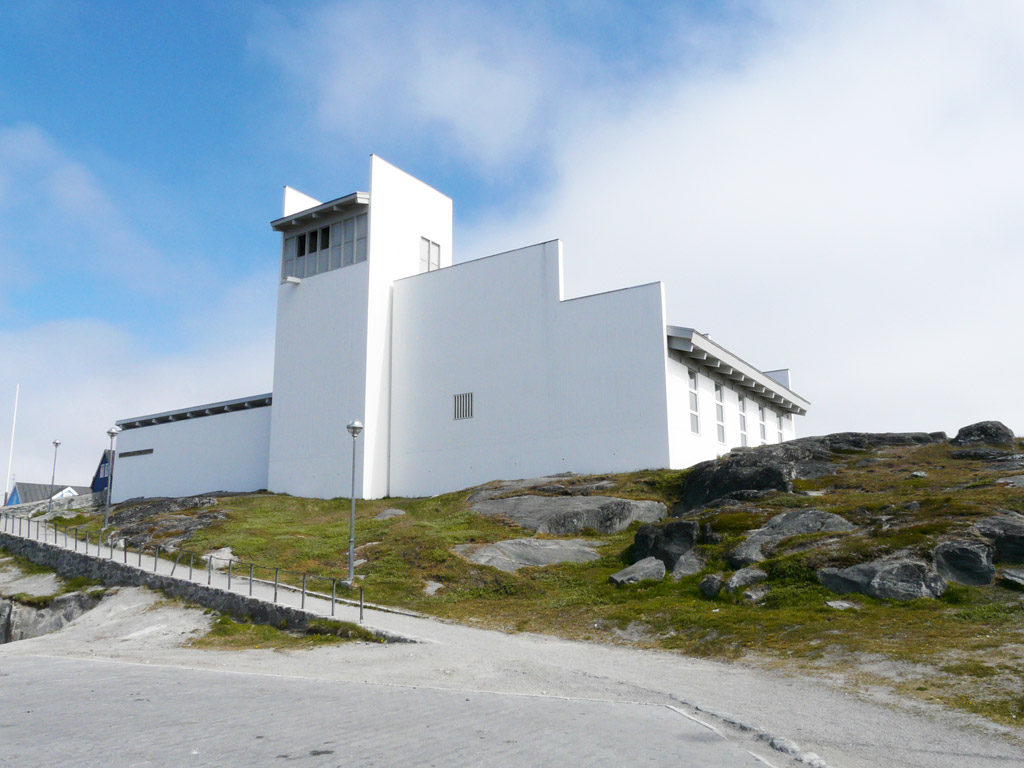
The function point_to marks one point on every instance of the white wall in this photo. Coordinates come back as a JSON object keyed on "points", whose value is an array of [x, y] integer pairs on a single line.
{"points": [[402, 211], [225, 452], [687, 448], [557, 385], [319, 382]]}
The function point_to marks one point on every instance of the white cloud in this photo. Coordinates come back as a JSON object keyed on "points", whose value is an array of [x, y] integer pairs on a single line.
{"points": [[845, 201]]}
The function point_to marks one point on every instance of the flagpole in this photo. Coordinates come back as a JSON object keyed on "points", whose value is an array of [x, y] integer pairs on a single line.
{"points": [[10, 457]]}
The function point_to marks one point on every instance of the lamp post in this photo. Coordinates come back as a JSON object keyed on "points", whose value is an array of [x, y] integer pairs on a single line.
{"points": [[112, 434], [354, 428], [56, 445]]}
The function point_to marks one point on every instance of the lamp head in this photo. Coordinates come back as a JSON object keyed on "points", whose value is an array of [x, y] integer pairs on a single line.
{"points": [[355, 427], [113, 432], [56, 443]]}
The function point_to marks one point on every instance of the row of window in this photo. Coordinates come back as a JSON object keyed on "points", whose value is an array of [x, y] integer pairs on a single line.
{"points": [[325, 248], [720, 413]]}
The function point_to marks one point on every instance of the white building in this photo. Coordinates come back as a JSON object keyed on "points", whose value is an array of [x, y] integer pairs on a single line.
{"points": [[461, 373]]}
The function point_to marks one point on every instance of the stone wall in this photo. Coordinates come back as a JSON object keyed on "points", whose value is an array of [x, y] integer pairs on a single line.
{"points": [[112, 573]]}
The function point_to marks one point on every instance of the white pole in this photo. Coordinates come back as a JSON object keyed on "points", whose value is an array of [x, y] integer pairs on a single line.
{"points": [[10, 457]]}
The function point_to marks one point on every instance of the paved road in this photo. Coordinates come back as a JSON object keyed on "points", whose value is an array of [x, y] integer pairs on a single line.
{"points": [[74, 712]]}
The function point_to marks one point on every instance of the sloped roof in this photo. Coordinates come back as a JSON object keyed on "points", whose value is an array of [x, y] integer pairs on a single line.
{"points": [[29, 492]]}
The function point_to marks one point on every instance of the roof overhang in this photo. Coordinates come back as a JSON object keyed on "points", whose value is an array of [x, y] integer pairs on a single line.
{"points": [[703, 351], [322, 211], [198, 411]]}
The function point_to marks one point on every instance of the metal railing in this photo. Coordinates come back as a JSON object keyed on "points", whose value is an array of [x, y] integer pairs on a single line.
{"points": [[246, 575]]}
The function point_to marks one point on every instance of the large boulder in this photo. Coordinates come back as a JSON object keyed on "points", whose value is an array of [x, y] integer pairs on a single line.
{"points": [[967, 562], [1006, 532], [561, 515], [745, 577], [711, 585], [564, 484], [783, 526], [690, 564], [513, 554], [984, 433], [648, 569], [892, 578], [667, 543]]}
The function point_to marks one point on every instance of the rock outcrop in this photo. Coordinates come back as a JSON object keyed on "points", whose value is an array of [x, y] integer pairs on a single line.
{"points": [[648, 569], [21, 622], [966, 562], [984, 433], [562, 515], [513, 554], [783, 526], [774, 467], [892, 578], [1006, 533], [745, 577], [666, 542]]}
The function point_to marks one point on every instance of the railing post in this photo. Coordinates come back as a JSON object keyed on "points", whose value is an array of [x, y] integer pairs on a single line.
{"points": [[126, 551], [86, 542], [230, 565], [190, 556], [303, 592], [141, 547], [277, 572], [209, 570], [360, 603], [76, 538], [334, 591], [176, 562], [251, 569], [65, 537], [156, 558]]}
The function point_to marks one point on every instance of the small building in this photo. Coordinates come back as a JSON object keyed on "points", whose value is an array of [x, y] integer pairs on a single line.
{"points": [[462, 373], [26, 493], [101, 478]]}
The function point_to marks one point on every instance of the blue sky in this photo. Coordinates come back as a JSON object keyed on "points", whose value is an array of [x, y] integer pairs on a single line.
{"points": [[831, 186]]}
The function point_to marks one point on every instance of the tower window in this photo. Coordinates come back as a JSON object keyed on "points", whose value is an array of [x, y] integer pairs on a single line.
{"points": [[430, 255]]}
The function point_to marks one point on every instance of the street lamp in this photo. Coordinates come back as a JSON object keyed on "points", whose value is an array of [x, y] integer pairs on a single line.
{"points": [[56, 445], [354, 428], [111, 433]]}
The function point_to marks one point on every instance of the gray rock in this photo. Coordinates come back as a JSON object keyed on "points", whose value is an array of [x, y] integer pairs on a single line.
{"points": [[772, 468], [984, 433], [1006, 532], [564, 484], [791, 523], [571, 514], [1016, 481], [138, 524], [667, 543], [842, 605], [24, 622], [431, 587], [982, 454], [690, 564], [756, 594], [711, 585], [1013, 576], [513, 554], [919, 474], [745, 577], [893, 578], [387, 514], [648, 569], [967, 562]]}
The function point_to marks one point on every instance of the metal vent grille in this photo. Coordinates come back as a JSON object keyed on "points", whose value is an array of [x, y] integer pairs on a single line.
{"points": [[463, 408]]}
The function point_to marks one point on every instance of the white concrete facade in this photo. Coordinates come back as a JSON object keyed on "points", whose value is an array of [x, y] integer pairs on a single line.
{"points": [[461, 374], [217, 448]]}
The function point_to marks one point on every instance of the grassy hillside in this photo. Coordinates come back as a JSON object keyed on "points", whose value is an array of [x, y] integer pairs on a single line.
{"points": [[965, 649]]}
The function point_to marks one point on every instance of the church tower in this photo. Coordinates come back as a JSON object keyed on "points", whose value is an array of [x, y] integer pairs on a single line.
{"points": [[332, 360]]}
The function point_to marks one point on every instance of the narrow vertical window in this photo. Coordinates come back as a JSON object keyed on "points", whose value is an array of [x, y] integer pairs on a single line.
{"points": [[720, 411], [764, 426], [288, 261], [694, 403], [779, 421], [430, 255], [335, 241], [743, 421], [360, 238]]}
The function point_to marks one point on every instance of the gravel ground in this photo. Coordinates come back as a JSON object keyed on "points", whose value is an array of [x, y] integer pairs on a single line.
{"points": [[847, 729]]}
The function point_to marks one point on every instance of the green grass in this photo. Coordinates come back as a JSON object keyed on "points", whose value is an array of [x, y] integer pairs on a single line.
{"points": [[793, 626], [229, 634]]}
